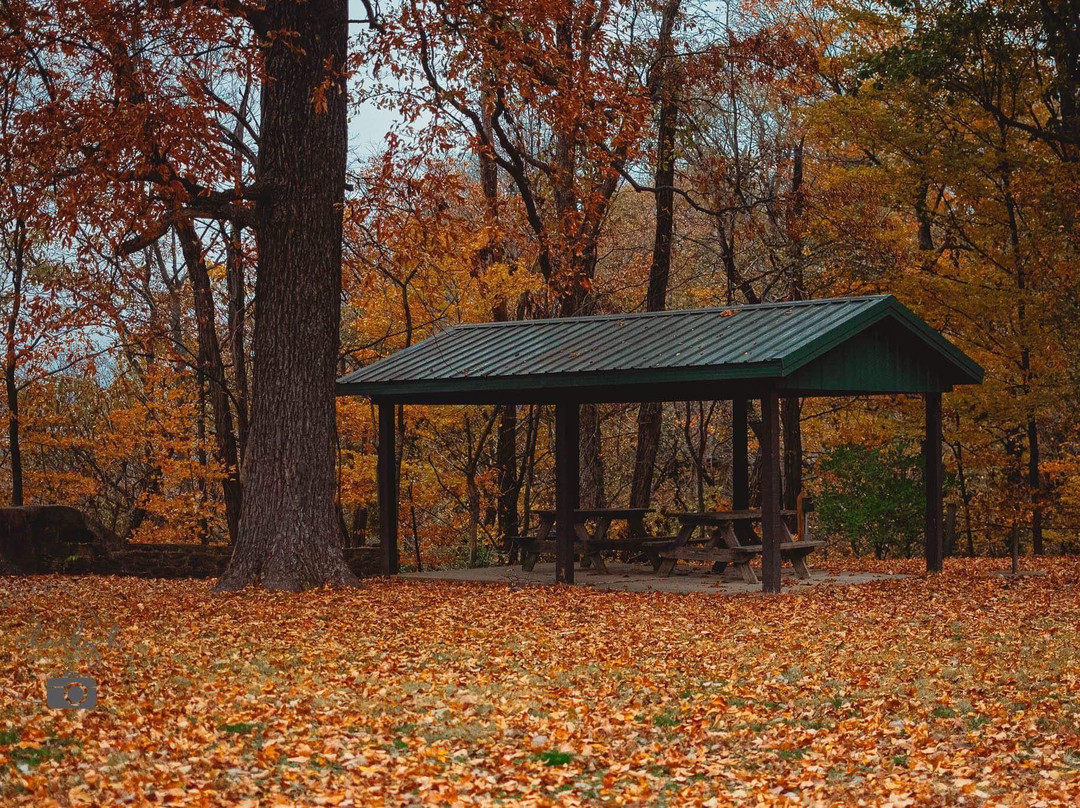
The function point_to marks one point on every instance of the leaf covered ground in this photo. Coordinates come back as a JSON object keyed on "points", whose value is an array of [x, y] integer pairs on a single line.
{"points": [[958, 689]]}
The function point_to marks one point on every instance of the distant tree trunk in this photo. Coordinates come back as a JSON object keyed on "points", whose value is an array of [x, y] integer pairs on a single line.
{"points": [[235, 282], [1035, 484], [212, 372], [1063, 41], [234, 277], [754, 422], [473, 500], [506, 459], [650, 415], [527, 468], [415, 529], [200, 435], [791, 408], [965, 497], [289, 537], [1026, 371], [506, 446], [359, 526], [575, 302], [949, 529], [11, 361], [591, 458], [790, 415]]}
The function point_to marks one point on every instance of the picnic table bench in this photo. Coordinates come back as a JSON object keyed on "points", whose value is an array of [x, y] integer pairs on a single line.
{"points": [[722, 545], [590, 543]]}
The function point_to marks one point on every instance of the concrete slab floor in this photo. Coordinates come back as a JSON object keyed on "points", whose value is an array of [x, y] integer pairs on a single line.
{"points": [[641, 578]]}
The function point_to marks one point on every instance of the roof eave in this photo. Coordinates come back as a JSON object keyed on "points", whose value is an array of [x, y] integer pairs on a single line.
{"points": [[750, 372]]}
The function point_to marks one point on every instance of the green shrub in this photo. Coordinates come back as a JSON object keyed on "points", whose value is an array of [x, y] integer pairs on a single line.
{"points": [[873, 498]]}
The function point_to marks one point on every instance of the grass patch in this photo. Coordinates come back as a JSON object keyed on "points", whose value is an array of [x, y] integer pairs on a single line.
{"points": [[792, 754], [25, 757], [668, 718], [9, 737], [944, 712], [553, 757], [242, 728]]}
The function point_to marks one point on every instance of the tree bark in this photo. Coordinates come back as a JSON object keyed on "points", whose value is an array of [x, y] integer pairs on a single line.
{"points": [[1035, 483], [650, 415], [592, 461], [506, 458], [289, 537], [1063, 42], [1027, 374], [11, 358], [791, 407], [212, 372], [790, 415], [234, 275]]}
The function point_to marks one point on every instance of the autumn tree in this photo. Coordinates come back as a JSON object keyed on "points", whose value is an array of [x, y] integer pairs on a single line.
{"points": [[547, 96], [959, 117], [289, 532]]}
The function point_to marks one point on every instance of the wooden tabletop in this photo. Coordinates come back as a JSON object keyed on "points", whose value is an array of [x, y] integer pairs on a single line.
{"points": [[597, 513]]}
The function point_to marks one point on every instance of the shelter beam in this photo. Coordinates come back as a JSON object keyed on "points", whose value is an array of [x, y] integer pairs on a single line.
{"points": [[934, 484], [771, 527], [388, 492], [567, 487]]}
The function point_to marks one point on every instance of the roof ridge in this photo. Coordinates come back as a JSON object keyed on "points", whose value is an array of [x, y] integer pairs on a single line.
{"points": [[671, 312]]}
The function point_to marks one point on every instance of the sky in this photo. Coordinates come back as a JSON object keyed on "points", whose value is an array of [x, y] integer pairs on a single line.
{"points": [[368, 126]]}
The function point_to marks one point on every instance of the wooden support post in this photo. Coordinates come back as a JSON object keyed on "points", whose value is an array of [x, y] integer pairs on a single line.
{"points": [[567, 487], [771, 528], [388, 492], [933, 477], [740, 457]]}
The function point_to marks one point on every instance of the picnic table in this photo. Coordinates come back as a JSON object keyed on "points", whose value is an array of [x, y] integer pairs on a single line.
{"points": [[731, 539], [590, 542]]}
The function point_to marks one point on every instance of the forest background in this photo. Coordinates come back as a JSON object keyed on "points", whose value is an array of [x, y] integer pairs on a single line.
{"points": [[548, 159]]}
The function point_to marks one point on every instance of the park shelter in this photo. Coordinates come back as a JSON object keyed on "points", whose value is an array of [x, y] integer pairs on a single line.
{"points": [[832, 347]]}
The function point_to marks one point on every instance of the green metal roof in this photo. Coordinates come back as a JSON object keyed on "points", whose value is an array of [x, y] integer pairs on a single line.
{"points": [[815, 347]]}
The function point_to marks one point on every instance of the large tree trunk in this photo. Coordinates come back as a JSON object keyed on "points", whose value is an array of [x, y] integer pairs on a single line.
{"points": [[289, 534], [212, 371]]}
